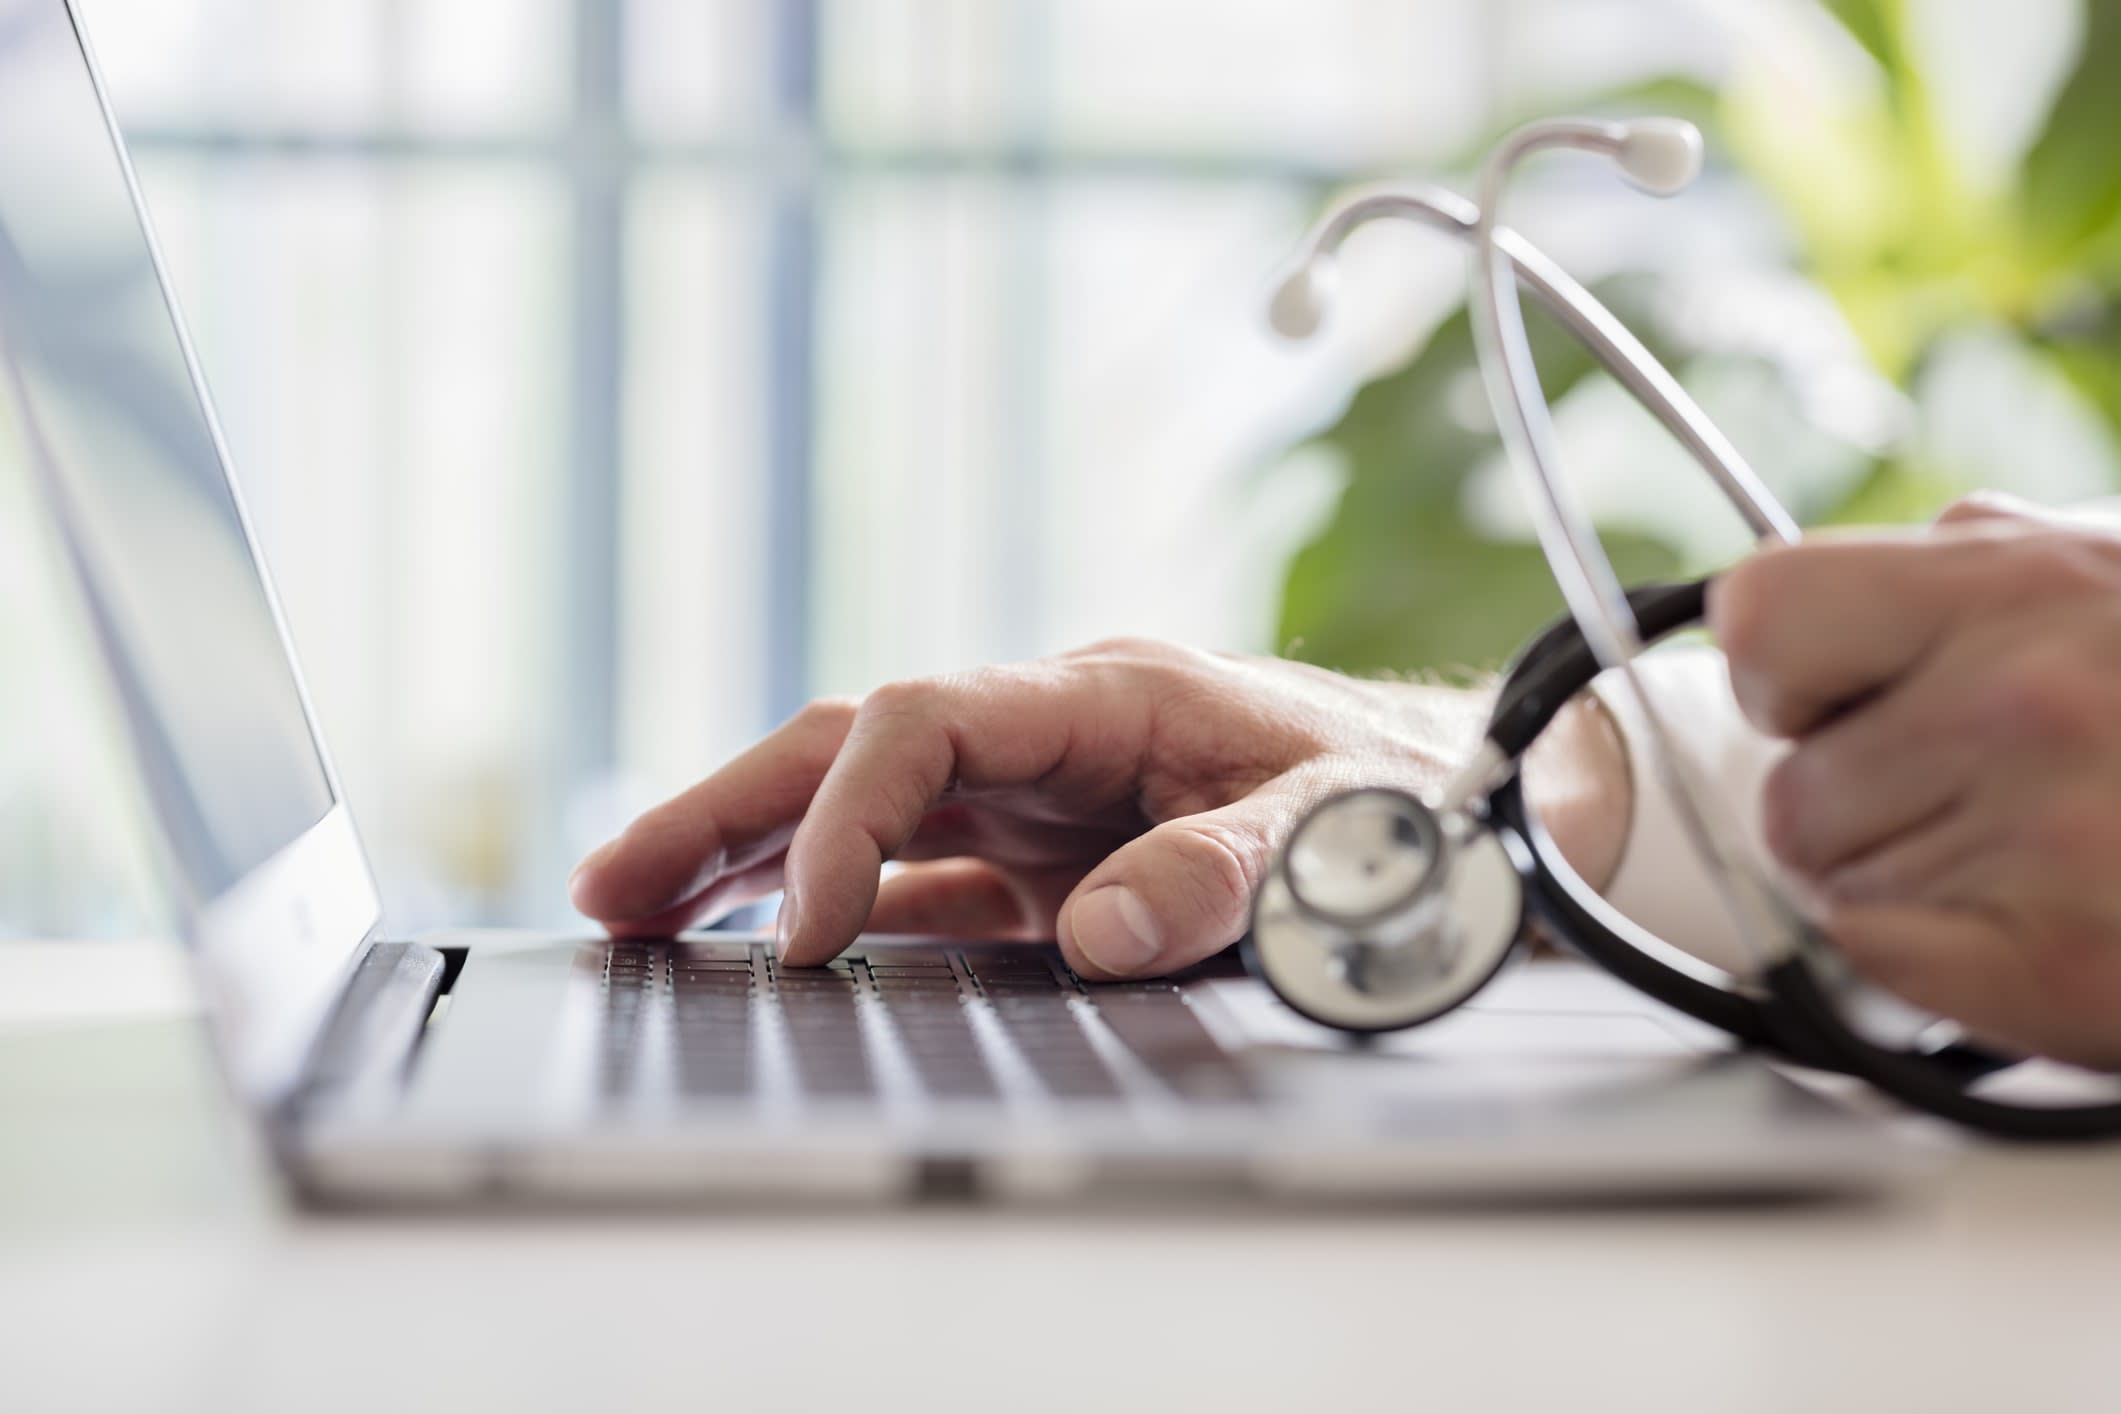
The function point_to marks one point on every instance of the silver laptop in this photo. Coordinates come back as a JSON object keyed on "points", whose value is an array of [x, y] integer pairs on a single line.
{"points": [[495, 1067]]}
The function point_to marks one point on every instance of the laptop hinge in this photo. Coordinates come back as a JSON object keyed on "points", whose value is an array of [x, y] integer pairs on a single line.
{"points": [[364, 1051]]}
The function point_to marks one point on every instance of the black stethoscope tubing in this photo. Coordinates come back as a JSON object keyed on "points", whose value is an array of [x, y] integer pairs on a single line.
{"points": [[1789, 1014]]}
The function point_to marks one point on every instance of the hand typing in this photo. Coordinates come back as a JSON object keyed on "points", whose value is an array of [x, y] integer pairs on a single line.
{"points": [[1124, 799]]}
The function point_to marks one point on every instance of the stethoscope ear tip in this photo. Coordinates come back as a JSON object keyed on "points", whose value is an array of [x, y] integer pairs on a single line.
{"points": [[1302, 296], [1662, 156]]}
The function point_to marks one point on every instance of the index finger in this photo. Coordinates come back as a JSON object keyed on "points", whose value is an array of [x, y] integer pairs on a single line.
{"points": [[911, 743], [673, 855], [1811, 627]]}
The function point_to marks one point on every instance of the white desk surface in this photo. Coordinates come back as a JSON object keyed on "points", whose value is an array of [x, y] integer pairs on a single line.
{"points": [[146, 1263]]}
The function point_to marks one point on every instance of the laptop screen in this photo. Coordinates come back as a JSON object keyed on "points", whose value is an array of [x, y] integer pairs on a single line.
{"points": [[100, 414]]}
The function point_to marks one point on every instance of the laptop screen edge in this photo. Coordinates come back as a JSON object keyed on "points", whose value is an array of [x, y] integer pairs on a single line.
{"points": [[276, 946]]}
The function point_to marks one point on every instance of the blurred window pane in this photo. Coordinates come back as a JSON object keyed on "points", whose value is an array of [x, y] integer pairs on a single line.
{"points": [[485, 66], [1338, 82], [1166, 392], [692, 566], [920, 321], [335, 66], [696, 69], [493, 344], [396, 412], [922, 72], [1329, 82], [1040, 409], [316, 64]]}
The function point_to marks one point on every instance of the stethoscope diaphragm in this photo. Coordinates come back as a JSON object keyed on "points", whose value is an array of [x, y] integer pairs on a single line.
{"points": [[1381, 914]]}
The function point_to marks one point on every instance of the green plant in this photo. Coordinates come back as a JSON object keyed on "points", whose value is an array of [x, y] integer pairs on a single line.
{"points": [[1401, 578], [1915, 245]]}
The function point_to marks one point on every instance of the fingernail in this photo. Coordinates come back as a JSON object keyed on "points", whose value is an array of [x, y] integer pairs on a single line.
{"points": [[1115, 930], [784, 925]]}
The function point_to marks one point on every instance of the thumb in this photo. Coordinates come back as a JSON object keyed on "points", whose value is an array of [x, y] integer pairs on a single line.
{"points": [[1177, 894], [1997, 981], [1950, 962]]}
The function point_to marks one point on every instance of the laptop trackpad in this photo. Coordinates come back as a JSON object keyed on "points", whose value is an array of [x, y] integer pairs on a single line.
{"points": [[512, 1038]]}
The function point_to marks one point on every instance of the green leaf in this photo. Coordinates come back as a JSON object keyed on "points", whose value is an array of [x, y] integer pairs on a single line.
{"points": [[1399, 581], [1895, 493], [1880, 26], [2071, 188], [2087, 349], [1871, 24]]}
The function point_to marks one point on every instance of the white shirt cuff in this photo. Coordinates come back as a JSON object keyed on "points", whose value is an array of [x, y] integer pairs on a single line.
{"points": [[1661, 883]]}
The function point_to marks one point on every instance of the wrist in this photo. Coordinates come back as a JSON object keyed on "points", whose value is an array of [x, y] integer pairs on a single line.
{"points": [[1441, 725]]}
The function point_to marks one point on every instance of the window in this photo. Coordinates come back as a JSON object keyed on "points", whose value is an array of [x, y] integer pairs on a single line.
{"points": [[608, 378]]}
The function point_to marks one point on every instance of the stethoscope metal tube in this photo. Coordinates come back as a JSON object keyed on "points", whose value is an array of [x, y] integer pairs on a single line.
{"points": [[1661, 156], [1302, 295], [1588, 584], [1386, 910]]}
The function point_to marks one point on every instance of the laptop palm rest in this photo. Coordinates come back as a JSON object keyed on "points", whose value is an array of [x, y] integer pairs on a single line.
{"points": [[505, 1045]]}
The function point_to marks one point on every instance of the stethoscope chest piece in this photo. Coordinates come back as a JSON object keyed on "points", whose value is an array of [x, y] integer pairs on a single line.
{"points": [[1380, 914]]}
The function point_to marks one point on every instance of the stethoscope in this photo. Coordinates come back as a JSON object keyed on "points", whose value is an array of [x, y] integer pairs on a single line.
{"points": [[1385, 910]]}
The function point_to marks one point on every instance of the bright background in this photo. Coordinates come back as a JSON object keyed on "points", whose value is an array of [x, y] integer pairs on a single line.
{"points": [[607, 378]]}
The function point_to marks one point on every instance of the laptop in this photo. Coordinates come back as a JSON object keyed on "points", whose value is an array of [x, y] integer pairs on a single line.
{"points": [[483, 1067]]}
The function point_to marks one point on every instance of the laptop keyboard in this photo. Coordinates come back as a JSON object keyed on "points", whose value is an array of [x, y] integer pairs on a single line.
{"points": [[724, 1022]]}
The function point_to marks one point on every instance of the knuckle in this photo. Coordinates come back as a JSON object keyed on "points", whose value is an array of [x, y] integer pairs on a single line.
{"points": [[821, 713], [900, 802], [1981, 506], [2046, 699], [2049, 563], [1132, 667], [1129, 648], [908, 697], [1221, 864], [825, 711]]}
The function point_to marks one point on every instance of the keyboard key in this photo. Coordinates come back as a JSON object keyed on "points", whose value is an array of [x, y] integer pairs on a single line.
{"points": [[1063, 1061], [619, 1047], [718, 987], [713, 996], [825, 1039], [916, 987], [729, 954], [1161, 1029], [711, 1034], [903, 956]]}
